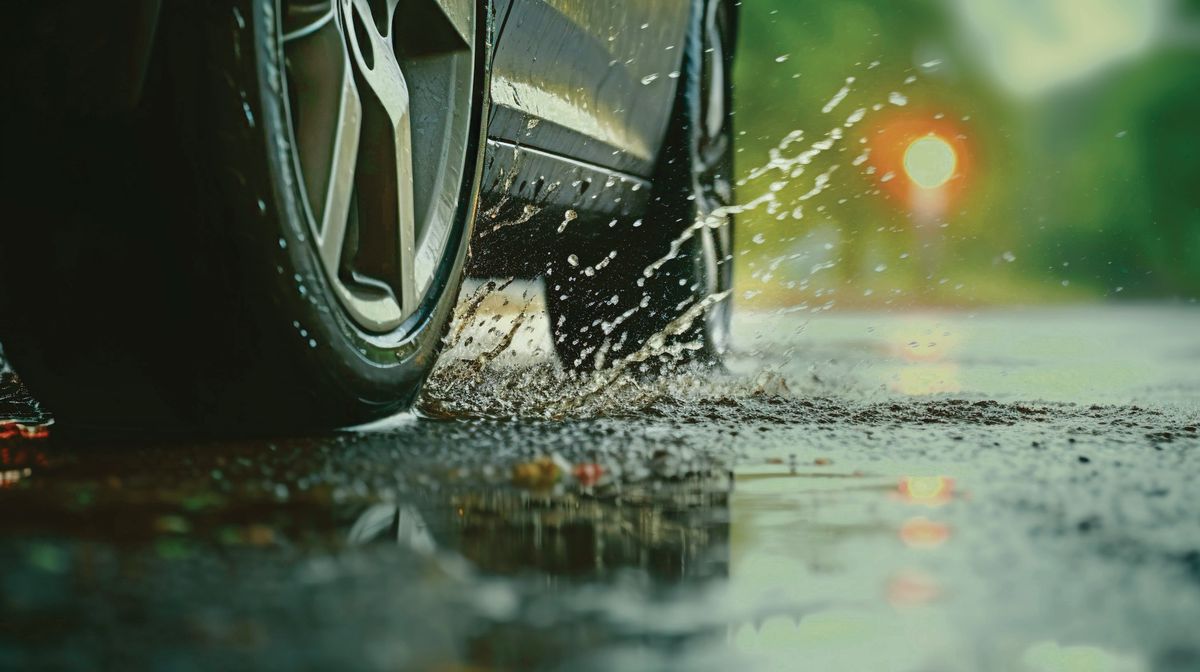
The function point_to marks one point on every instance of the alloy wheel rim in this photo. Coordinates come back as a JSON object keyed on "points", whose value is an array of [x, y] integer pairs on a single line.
{"points": [[379, 108]]}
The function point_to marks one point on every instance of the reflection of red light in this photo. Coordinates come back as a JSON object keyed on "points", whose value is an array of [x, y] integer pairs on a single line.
{"points": [[17, 430], [911, 588], [588, 474], [17, 455], [893, 137], [921, 532], [927, 490]]}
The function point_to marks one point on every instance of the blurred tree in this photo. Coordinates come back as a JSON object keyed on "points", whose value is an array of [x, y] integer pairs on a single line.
{"points": [[1096, 186]]}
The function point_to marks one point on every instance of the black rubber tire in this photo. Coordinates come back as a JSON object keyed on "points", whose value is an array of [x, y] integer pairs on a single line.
{"points": [[154, 268], [639, 305]]}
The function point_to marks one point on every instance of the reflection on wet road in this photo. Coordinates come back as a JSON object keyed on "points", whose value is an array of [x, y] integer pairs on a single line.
{"points": [[1003, 491]]}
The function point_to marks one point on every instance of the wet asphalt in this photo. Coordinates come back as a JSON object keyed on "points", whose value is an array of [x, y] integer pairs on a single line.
{"points": [[998, 490]]}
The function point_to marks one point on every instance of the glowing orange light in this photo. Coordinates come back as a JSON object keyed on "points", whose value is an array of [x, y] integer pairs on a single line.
{"points": [[926, 490], [920, 532], [921, 161]]}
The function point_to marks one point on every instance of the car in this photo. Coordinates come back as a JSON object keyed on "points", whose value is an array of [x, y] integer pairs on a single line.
{"points": [[255, 215]]}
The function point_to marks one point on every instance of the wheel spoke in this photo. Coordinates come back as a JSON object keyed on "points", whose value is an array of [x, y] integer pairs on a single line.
{"points": [[376, 61], [387, 233], [336, 215], [408, 242]]}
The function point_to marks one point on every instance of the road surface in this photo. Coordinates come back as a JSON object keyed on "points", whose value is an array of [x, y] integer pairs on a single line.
{"points": [[999, 490]]}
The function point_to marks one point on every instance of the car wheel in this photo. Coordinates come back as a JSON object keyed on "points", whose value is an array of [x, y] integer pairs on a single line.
{"points": [[273, 239], [664, 295]]}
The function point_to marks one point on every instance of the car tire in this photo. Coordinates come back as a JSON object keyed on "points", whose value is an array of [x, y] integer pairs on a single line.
{"points": [[162, 268], [663, 297]]}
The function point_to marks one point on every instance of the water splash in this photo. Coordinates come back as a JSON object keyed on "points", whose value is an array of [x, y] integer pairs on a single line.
{"points": [[500, 360], [838, 97]]}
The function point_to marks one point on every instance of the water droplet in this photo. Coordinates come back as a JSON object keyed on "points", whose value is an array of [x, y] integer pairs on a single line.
{"points": [[782, 58], [898, 99], [573, 260], [881, 268], [568, 217], [838, 97], [649, 78], [1009, 257]]}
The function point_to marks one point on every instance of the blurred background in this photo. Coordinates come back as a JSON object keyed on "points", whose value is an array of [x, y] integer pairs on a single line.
{"points": [[967, 152]]}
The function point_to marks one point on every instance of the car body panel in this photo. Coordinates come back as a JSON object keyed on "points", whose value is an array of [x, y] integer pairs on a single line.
{"points": [[531, 198], [593, 81], [582, 96]]}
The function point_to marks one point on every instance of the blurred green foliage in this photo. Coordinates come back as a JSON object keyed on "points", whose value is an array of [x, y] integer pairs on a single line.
{"points": [[1089, 189]]}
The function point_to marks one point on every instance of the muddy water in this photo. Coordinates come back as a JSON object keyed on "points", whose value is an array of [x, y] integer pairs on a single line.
{"points": [[1004, 490]]}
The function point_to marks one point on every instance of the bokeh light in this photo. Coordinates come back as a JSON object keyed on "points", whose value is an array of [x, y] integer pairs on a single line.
{"points": [[920, 532], [930, 161], [926, 490]]}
